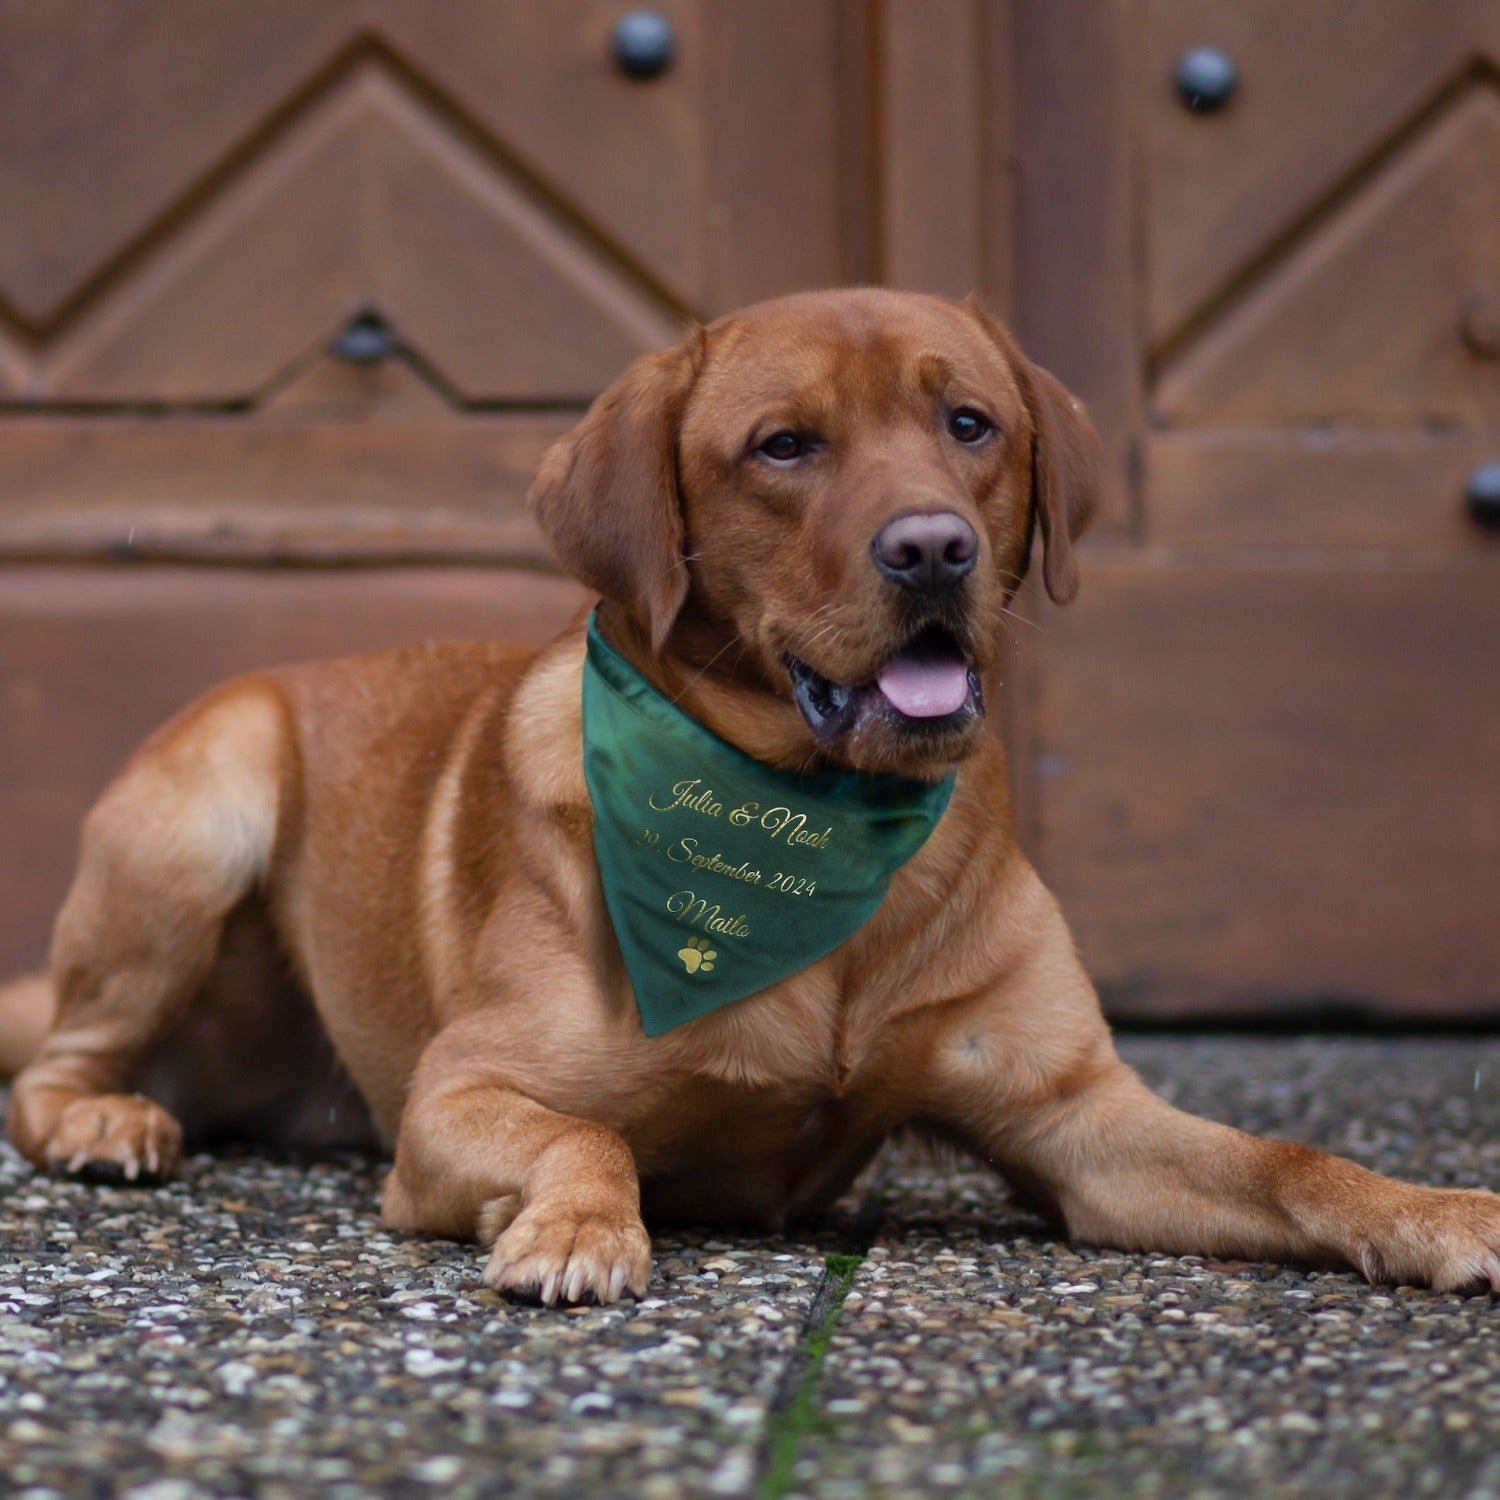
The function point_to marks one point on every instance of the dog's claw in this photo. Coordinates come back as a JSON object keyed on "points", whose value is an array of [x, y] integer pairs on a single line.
{"points": [[1445, 1238], [1491, 1267], [114, 1138], [561, 1257]]}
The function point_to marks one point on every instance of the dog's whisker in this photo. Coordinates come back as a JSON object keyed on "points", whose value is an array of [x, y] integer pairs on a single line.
{"points": [[831, 631], [1017, 615], [707, 666]]}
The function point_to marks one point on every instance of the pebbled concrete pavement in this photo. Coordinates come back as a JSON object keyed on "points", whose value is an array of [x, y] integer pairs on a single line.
{"points": [[251, 1330]]}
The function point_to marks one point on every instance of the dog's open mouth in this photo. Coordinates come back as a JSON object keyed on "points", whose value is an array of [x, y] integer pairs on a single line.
{"points": [[927, 686]]}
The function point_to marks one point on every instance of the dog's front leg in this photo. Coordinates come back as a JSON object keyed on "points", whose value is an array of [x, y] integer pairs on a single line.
{"points": [[1126, 1169], [554, 1197], [1028, 1080]]}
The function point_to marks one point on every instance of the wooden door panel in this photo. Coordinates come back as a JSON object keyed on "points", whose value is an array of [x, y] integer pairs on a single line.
{"points": [[1370, 321], [373, 201], [110, 115], [302, 486], [1325, 85], [538, 79], [198, 205], [236, 295], [500, 294], [388, 157], [1257, 760], [933, 98], [1274, 490], [1077, 221], [1274, 787], [91, 662], [119, 116]]}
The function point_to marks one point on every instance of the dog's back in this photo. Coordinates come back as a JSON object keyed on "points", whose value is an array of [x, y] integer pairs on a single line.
{"points": [[364, 739]]}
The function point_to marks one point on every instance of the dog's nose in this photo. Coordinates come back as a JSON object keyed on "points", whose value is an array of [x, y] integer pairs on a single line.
{"points": [[928, 553]]}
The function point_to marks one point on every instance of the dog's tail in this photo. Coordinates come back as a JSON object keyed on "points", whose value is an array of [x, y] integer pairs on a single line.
{"points": [[27, 1006]]}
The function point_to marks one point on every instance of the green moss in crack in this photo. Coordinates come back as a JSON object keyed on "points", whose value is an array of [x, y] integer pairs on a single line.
{"points": [[801, 1414]]}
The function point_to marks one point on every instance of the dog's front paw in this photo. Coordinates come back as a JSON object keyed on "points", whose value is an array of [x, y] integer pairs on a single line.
{"points": [[558, 1254], [1448, 1239], [114, 1137]]}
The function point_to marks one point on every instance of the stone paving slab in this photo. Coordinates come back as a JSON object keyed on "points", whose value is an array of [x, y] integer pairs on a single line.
{"points": [[976, 1355], [251, 1330]]}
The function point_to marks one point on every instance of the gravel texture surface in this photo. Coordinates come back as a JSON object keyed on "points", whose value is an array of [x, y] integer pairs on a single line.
{"points": [[251, 1330], [974, 1354]]}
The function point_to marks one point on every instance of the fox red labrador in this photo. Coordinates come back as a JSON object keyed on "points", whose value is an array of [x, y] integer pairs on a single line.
{"points": [[689, 910]]}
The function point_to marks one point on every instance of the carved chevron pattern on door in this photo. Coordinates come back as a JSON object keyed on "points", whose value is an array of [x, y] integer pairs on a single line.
{"points": [[1316, 248], [1365, 320], [203, 195]]}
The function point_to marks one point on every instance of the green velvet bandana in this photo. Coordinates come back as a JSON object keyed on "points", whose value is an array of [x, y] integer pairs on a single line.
{"points": [[722, 875]]}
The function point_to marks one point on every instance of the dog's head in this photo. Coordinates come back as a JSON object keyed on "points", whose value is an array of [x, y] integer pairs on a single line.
{"points": [[831, 497]]}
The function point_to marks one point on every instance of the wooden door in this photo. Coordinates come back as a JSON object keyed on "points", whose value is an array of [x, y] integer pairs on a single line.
{"points": [[1264, 765], [293, 296]]}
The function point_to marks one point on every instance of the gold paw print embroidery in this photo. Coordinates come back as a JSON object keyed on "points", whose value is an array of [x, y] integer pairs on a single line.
{"points": [[697, 957]]}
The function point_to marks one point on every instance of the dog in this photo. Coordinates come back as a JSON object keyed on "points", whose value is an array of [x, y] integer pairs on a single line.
{"points": [[369, 900]]}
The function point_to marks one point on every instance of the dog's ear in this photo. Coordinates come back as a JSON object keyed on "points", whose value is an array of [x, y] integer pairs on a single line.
{"points": [[1064, 475], [606, 492], [1064, 462]]}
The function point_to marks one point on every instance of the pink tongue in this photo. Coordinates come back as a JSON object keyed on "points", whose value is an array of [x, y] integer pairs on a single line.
{"points": [[924, 689]]}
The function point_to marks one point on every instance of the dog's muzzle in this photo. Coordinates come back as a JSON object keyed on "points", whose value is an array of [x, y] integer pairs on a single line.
{"points": [[929, 686]]}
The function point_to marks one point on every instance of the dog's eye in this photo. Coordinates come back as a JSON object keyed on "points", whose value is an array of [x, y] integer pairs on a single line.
{"points": [[968, 426], [784, 447]]}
